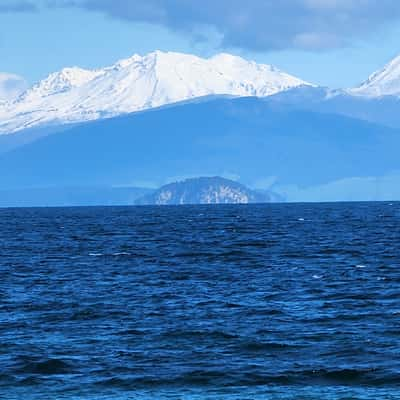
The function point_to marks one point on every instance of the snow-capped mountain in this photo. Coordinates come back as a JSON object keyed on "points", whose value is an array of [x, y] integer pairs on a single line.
{"points": [[10, 87], [385, 82], [139, 83]]}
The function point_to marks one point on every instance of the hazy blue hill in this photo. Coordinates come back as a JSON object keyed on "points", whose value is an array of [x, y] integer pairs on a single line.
{"points": [[246, 137], [382, 110], [70, 196], [12, 141], [204, 190]]}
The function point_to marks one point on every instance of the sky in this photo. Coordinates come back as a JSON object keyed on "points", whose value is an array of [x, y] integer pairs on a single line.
{"points": [[334, 43]]}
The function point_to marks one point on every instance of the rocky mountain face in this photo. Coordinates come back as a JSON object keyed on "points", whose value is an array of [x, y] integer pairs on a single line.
{"points": [[204, 190]]}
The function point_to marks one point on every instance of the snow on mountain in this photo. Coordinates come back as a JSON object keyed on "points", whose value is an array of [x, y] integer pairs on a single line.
{"points": [[10, 87], [385, 82], [139, 83], [59, 82]]}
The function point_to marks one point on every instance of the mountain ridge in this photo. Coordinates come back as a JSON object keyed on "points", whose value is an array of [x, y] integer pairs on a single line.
{"points": [[245, 137], [138, 83]]}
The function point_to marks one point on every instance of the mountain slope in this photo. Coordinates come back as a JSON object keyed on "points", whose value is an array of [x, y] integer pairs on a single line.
{"points": [[382, 110], [385, 82], [138, 83], [245, 137]]}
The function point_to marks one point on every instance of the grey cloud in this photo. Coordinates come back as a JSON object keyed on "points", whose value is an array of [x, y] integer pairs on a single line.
{"points": [[12, 6], [258, 24]]}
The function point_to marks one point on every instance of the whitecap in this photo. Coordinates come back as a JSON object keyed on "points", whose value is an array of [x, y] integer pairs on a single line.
{"points": [[95, 254]]}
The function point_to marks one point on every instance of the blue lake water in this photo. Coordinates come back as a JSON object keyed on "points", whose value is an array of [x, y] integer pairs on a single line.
{"points": [[205, 302]]}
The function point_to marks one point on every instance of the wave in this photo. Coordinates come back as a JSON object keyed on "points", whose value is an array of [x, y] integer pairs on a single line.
{"points": [[52, 366], [231, 378]]}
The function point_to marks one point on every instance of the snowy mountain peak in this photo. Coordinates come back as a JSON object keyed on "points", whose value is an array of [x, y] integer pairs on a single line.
{"points": [[385, 82], [126, 62], [59, 82], [228, 58], [139, 83], [237, 61]]}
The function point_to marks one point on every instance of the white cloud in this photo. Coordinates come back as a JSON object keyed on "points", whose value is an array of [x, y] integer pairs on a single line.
{"points": [[11, 86]]}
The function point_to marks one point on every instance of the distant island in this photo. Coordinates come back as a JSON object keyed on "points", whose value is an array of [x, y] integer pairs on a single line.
{"points": [[201, 190], [204, 190]]}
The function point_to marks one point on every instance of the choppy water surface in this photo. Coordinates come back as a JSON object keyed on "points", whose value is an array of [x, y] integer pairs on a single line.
{"points": [[226, 302]]}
